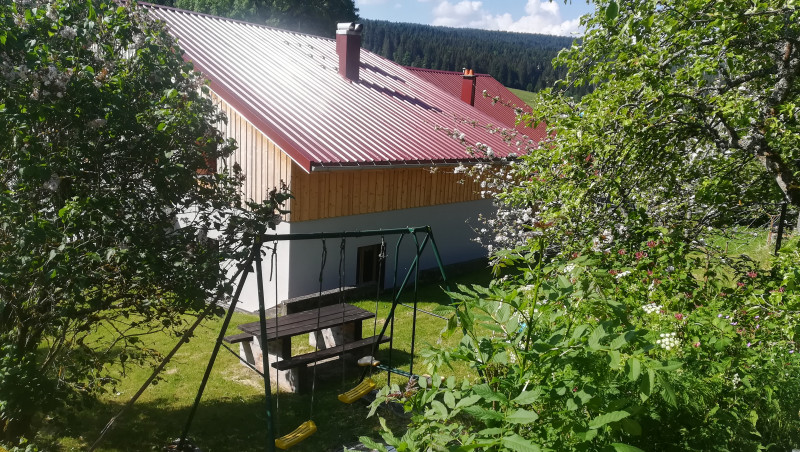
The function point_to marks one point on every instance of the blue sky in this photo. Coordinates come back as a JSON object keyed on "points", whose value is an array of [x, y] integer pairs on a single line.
{"points": [[528, 16]]}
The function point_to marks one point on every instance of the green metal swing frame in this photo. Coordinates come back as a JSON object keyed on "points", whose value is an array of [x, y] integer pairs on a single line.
{"points": [[255, 256]]}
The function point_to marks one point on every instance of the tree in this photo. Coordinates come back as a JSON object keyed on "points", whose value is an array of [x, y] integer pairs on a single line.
{"points": [[317, 17], [610, 324], [107, 139], [694, 112]]}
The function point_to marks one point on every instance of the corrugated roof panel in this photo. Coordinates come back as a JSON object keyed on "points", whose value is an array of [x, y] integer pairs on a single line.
{"points": [[287, 84], [451, 82]]}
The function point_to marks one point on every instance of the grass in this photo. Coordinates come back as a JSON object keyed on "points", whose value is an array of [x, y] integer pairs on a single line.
{"points": [[232, 415], [526, 96]]}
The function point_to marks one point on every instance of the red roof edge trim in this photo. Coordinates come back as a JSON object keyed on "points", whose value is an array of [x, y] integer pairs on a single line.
{"points": [[317, 167]]}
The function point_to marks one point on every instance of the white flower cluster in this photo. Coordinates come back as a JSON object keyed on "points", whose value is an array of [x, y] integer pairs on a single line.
{"points": [[668, 341], [651, 308], [603, 242], [623, 274]]}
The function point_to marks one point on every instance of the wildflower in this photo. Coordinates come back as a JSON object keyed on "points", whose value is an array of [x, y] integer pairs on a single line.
{"points": [[696, 344], [623, 274], [621, 252], [740, 284], [651, 244], [679, 316], [613, 272], [668, 341], [752, 274], [639, 255], [651, 308]]}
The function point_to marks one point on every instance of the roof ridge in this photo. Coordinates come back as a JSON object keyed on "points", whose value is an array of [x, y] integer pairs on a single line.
{"points": [[422, 69]]}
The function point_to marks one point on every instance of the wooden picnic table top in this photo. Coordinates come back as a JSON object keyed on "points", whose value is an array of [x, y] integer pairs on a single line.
{"points": [[307, 321]]}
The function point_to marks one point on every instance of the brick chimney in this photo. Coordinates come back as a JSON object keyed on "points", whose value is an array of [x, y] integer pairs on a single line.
{"points": [[348, 47], [468, 86]]}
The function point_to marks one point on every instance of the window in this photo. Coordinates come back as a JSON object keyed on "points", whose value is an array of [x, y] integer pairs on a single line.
{"points": [[368, 266]]}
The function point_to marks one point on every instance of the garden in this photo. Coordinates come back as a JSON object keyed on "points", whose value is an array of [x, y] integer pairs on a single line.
{"points": [[629, 305]]}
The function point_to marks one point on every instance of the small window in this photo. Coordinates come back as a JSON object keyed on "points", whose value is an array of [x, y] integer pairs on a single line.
{"points": [[369, 268]]}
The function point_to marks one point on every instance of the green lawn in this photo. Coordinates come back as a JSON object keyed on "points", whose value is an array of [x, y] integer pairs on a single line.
{"points": [[232, 414], [526, 96]]}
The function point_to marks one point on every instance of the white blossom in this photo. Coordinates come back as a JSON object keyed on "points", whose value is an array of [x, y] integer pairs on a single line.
{"points": [[68, 33]]}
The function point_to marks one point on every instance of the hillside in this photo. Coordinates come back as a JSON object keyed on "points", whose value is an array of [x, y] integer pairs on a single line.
{"points": [[517, 60]]}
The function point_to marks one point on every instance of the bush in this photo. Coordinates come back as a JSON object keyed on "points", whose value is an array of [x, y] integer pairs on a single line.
{"points": [[642, 345]]}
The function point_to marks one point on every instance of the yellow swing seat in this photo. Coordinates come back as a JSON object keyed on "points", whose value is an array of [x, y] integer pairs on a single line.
{"points": [[302, 432], [358, 392]]}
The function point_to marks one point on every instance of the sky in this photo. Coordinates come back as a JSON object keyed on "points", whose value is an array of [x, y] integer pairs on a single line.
{"points": [[526, 16]]}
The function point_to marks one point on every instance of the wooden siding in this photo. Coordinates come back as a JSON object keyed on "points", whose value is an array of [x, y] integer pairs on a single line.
{"points": [[329, 194], [263, 163]]}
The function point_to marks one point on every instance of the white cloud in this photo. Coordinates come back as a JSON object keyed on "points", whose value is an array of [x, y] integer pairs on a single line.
{"points": [[541, 16], [360, 3]]}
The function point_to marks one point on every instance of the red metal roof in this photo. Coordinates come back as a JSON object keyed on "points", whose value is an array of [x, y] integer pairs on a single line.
{"points": [[502, 111], [287, 84]]}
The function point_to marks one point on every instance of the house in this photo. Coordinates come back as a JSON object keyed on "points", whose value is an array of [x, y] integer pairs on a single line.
{"points": [[362, 142], [486, 94]]}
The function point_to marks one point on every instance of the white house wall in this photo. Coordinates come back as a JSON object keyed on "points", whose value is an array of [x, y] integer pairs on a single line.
{"points": [[300, 260]]}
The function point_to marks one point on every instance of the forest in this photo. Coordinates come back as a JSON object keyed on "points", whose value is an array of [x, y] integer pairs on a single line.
{"points": [[517, 60]]}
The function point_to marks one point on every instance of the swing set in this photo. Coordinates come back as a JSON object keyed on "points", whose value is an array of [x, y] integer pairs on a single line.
{"points": [[366, 383]]}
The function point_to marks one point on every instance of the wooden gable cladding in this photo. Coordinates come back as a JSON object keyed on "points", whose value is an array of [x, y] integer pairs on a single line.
{"points": [[329, 194], [263, 163], [336, 193]]}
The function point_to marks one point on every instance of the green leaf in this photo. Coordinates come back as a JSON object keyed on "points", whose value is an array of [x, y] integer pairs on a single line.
{"points": [[631, 427], [483, 414], [372, 444], [518, 443], [528, 397], [522, 416], [488, 394], [667, 392], [594, 338], [619, 447], [449, 400], [634, 369], [440, 409], [606, 418], [468, 401], [612, 10]]}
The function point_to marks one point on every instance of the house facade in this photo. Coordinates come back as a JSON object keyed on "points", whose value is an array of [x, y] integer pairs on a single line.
{"points": [[362, 143]]}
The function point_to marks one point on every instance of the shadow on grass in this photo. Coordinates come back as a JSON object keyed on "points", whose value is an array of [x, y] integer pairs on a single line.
{"points": [[233, 422]]}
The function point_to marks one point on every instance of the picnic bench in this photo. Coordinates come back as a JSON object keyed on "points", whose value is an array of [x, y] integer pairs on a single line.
{"points": [[333, 330]]}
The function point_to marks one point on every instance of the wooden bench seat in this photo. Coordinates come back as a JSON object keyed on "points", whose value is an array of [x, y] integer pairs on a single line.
{"points": [[308, 358], [236, 338]]}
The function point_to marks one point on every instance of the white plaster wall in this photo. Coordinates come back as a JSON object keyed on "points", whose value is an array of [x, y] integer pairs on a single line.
{"points": [[248, 300], [452, 226]]}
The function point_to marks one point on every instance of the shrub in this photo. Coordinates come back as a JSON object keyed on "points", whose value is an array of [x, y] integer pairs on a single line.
{"points": [[642, 345]]}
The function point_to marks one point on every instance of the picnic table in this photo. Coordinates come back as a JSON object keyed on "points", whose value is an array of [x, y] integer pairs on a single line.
{"points": [[333, 330]]}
